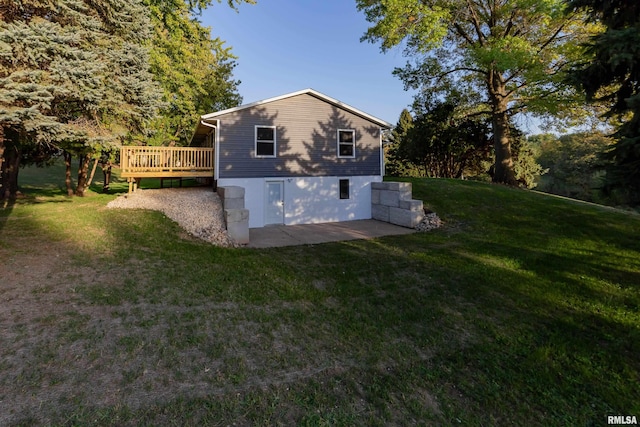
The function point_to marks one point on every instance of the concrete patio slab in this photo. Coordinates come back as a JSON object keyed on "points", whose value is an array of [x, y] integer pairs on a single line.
{"points": [[311, 234]]}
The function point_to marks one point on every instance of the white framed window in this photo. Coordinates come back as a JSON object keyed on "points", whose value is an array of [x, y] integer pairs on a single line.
{"points": [[346, 143], [265, 141]]}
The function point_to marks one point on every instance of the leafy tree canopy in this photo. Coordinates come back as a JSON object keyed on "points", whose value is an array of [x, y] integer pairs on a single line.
{"points": [[87, 75], [194, 69], [507, 56], [439, 142], [573, 164]]}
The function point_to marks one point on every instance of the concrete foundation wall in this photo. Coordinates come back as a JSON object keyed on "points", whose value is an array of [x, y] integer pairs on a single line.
{"points": [[308, 200]]}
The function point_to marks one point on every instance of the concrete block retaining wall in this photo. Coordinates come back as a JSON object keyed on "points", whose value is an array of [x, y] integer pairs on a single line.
{"points": [[391, 202], [236, 217]]}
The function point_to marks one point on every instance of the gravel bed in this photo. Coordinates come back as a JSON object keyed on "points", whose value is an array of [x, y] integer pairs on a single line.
{"points": [[430, 221], [197, 210]]}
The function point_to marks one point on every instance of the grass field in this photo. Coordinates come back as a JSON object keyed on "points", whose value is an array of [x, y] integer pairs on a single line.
{"points": [[524, 309]]}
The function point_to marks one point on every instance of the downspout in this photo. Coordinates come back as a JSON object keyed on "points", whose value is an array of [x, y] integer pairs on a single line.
{"points": [[209, 125], [217, 152], [382, 166], [216, 147]]}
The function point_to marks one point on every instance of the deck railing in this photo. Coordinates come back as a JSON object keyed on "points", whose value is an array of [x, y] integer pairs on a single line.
{"points": [[145, 161]]}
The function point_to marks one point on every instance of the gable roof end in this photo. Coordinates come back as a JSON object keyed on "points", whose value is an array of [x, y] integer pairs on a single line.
{"points": [[311, 92], [202, 130]]}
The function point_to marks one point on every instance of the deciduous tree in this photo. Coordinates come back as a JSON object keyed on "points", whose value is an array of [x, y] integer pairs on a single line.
{"points": [[194, 69], [573, 163], [441, 144], [507, 55]]}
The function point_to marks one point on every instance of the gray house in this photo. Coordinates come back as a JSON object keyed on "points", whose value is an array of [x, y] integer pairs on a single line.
{"points": [[302, 157]]}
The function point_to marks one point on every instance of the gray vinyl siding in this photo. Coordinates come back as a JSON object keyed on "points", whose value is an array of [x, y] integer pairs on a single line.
{"points": [[306, 140]]}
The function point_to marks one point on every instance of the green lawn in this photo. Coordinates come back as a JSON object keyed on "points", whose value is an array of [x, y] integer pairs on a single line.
{"points": [[524, 309], [50, 181]]}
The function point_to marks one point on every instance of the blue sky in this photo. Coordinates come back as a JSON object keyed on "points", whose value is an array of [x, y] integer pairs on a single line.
{"points": [[284, 46]]}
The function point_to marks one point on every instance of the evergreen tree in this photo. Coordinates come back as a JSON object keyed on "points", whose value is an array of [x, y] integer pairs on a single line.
{"points": [[26, 90], [525, 164], [612, 75], [74, 75], [395, 165]]}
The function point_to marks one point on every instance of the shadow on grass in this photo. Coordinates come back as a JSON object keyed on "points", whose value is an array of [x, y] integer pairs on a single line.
{"points": [[542, 337], [514, 339], [532, 314]]}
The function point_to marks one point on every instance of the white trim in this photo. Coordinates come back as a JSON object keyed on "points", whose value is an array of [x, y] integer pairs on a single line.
{"points": [[353, 153], [308, 91], [255, 142], [216, 153], [381, 151], [215, 145]]}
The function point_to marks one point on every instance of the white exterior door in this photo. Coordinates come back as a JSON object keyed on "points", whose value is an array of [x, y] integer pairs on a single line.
{"points": [[274, 209]]}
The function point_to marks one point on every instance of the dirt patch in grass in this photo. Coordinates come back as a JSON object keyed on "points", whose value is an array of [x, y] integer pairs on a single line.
{"points": [[74, 336], [46, 328]]}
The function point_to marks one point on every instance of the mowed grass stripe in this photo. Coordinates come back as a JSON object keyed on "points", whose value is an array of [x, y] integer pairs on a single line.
{"points": [[523, 309]]}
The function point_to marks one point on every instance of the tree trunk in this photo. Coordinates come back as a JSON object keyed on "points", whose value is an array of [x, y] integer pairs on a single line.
{"points": [[503, 172], [2, 148], [106, 172], [83, 169], [68, 180], [10, 169], [93, 172]]}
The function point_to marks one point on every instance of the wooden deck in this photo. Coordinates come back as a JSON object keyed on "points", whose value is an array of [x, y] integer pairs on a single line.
{"points": [[165, 162]]}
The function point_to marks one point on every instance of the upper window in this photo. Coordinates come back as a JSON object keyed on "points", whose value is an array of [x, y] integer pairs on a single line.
{"points": [[346, 143], [265, 141]]}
